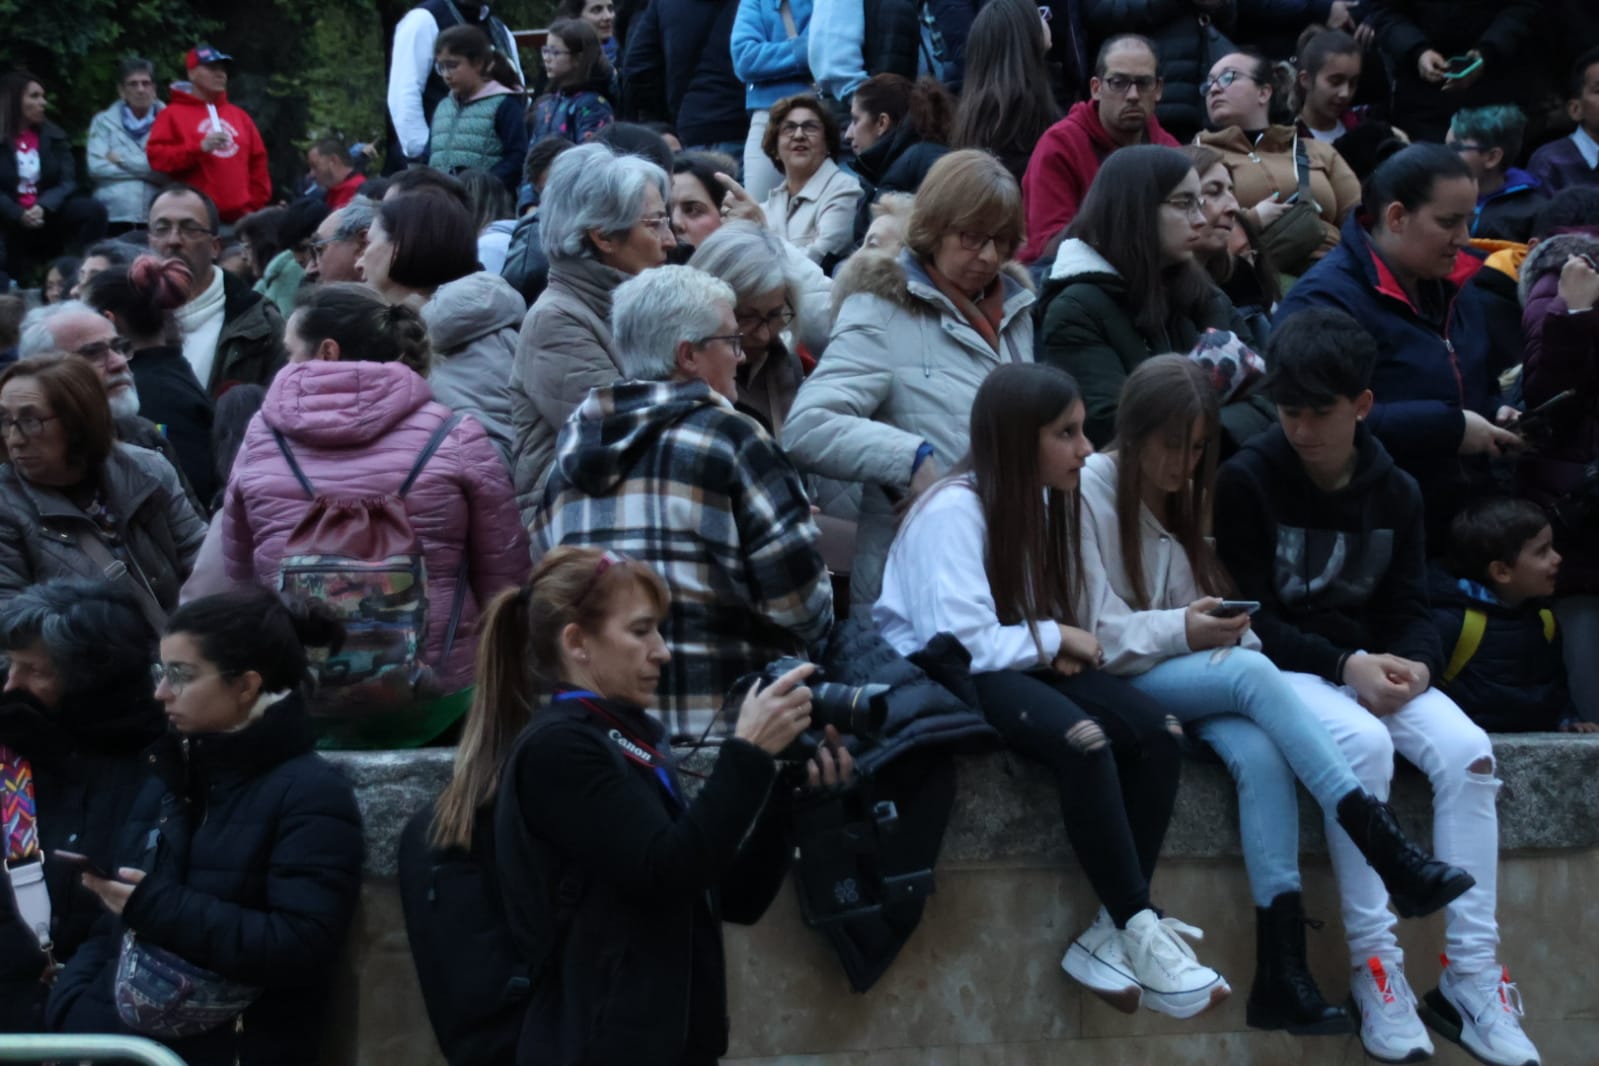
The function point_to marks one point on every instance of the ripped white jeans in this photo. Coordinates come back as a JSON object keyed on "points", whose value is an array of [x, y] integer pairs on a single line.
{"points": [[1434, 734]]}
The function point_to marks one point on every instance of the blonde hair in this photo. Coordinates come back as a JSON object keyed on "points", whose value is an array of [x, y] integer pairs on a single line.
{"points": [[965, 190]]}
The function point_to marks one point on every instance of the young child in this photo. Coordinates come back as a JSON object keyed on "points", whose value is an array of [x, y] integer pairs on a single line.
{"points": [[1316, 522], [1574, 160], [1491, 606]]}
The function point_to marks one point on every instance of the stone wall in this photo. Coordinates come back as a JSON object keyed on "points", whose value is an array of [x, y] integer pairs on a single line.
{"points": [[979, 984]]}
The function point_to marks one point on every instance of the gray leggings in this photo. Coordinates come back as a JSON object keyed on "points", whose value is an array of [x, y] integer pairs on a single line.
{"points": [[1579, 628]]}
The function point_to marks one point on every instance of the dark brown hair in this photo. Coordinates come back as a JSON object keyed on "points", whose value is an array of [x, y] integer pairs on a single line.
{"points": [[780, 112], [1006, 102], [77, 400], [1220, 268], [433, 237], [474, 46], [1033, 557], [519, 657], [142, 296], [588, 57], [1162, 397], [924, 107]]}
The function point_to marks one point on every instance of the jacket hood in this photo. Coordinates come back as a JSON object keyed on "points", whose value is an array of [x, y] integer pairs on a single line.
{"points": [[875, 161], [183, 94], [617, 424], [342, 405], [467, 308], [1078, 261], [1234, 139], [1549, 256], [1447, 590], [488, 89], [901, 280], [1517, 181], [1372, 461], [282, 732]]}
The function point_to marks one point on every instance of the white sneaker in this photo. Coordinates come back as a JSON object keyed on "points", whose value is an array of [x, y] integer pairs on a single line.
{"points": [[1381, 998], [1482, 1013], [1098, 962], [1173, 981]]}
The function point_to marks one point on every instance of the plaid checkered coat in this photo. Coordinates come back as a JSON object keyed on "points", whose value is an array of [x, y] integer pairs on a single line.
{"points": [[669, 473]]}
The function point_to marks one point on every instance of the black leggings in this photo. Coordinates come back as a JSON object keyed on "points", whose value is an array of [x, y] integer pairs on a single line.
{"points": [[1114, 753]]}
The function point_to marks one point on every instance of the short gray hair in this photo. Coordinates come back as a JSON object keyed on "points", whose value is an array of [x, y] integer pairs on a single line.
{"points": [[38, 336], [654, 311], [354, 219], [593, 188], [750, 258]]}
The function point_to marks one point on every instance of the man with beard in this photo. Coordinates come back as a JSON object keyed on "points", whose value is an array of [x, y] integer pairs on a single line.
{"points": [[339, 241], [1125, 88], [77, 329]]}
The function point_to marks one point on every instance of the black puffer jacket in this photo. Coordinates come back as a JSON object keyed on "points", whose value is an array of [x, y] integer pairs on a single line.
{"points": [[253, 872], [1188, 40], [896, 163], [1516, 680], [87, 772]]}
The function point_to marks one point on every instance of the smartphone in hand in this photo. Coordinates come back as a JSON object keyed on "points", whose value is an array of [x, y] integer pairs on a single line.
{"points": [[1234, 608], [80, 862]]}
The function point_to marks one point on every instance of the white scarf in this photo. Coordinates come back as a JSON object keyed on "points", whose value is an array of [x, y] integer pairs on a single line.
{"points": [[201, 322]]}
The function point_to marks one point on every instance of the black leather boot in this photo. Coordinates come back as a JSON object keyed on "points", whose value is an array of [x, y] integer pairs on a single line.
{"points": [[1417, 883], [1284, 995]]}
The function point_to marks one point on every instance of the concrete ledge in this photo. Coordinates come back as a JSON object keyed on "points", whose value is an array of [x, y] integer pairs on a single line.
{"points": [[1006, 812]]}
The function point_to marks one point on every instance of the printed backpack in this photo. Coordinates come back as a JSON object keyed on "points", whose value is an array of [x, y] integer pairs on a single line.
{"points": [[361, 557]]}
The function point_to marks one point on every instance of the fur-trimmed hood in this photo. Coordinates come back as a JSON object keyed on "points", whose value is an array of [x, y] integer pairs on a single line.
{"points": [[1549, 257], [903, 281]]}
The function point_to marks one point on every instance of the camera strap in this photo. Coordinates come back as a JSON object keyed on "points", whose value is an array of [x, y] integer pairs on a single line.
{"points": [[634, 748]]}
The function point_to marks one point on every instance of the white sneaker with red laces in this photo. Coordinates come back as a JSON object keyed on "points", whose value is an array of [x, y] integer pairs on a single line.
{"points": [[1381, 998], [1482, 1013]]}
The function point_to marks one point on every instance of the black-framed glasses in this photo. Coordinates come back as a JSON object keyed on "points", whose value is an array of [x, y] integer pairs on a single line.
{"points": [[187, 229], [1466, 146], [736, 340], [774, 321], [27, 425], [1225, 80], [99, 351], [976, 242], [1118, 84], [806, 129]]}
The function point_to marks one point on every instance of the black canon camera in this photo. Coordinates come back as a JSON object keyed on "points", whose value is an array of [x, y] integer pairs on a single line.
{"points": [[853, 710]]}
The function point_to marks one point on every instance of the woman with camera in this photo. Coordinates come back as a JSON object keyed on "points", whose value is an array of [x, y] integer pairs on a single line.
{"points": [[591, 812]]}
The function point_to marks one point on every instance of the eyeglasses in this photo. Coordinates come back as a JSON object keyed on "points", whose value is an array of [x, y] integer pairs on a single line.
{"points": [[1188, 205], [774, 321], [734, 341], [27, 425], [803, 130], [178, 677], [659, 223], [551, 53], [189, 230], [1466, 146], [100, 351], [1118, 84], [976, 242], [1225, 80], [442, 67]]}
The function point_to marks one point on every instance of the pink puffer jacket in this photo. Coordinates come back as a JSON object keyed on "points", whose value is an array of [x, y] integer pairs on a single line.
{"points": [[356, 429]]}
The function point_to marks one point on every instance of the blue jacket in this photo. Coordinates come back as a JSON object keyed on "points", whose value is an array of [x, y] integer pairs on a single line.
{"points": [[770, 64]]}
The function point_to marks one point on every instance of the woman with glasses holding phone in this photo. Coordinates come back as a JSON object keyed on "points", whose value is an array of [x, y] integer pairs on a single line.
{"points": [[915, 337], [814, 207], [1295, 190], [73, 502], [252, 868], [1126, 284], [482, 122], [577, 104]]}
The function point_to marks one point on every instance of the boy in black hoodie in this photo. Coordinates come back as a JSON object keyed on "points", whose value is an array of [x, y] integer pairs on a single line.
{"points": [[1315, 521]]}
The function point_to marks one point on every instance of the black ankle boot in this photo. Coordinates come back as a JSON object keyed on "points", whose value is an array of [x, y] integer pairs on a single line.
{"points": [[1284, 995], [1417, 883]]}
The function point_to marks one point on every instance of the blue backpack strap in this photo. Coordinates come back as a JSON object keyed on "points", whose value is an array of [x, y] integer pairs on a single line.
{"points": [[294, 467], [428, 450]]}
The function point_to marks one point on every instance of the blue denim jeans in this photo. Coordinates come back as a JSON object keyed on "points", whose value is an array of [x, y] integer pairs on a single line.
{"points": [[1268, 803], [1198, 686]]}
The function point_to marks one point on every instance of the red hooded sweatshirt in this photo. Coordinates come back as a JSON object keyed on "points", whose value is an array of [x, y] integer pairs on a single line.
{"points": [[1062, 168], [235, 176]]}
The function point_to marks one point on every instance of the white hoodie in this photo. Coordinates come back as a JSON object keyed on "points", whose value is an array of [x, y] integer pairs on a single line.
{"points": [[935, 582], [1134, 641]]}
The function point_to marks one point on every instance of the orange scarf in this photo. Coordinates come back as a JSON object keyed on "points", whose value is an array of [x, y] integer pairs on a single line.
{"points": [[984, 313]]}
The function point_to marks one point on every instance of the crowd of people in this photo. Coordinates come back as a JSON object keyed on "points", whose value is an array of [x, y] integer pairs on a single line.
{"points": [[1214, 372]]}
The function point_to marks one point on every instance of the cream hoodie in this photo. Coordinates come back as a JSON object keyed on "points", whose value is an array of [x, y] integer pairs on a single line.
{"points": [[1134, 641]]}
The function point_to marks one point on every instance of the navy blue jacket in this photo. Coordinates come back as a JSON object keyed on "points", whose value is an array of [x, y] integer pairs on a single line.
{"points": [[253, 871], [1516, 681], [679, 69], [1435, 361]]}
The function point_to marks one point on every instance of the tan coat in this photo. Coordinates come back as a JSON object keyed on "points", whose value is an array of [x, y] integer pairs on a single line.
{"points": [[821, 218], [1268, 167]]}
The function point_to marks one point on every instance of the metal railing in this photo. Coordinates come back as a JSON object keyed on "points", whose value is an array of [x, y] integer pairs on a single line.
{"points": [[75, 1049]]}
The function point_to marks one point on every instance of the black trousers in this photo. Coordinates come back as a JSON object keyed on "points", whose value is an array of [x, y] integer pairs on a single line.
{"points": [[1114, 754], [80, 222]]}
